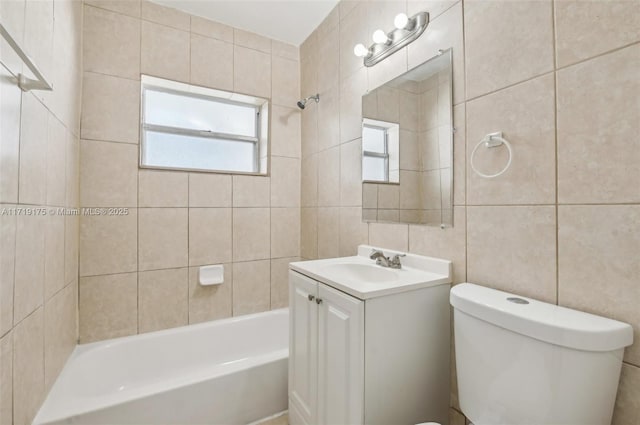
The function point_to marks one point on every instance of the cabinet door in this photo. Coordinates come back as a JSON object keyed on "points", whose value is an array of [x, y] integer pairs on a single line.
{"points": [[340, 358], [303, 347]]}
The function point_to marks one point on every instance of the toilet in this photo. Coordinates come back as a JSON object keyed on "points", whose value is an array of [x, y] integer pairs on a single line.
{"points": [[521, 361]]}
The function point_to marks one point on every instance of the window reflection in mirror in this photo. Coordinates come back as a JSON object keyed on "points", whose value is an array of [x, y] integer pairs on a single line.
{"points": [[407, 147], [380, 151]]}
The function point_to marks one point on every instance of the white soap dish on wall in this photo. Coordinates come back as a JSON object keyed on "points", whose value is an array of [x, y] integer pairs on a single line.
{"points": [[211, 275]]}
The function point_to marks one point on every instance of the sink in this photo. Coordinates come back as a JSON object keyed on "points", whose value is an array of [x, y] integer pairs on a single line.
{"points": [[362, 278], [364, 272]]}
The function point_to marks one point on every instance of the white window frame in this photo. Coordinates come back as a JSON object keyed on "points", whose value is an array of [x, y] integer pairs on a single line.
{"points": [[158, 85], [384, 155]]}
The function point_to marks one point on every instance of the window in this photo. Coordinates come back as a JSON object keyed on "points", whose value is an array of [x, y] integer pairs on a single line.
{"points": [[187, 127], [375, 153], [379, 151]]}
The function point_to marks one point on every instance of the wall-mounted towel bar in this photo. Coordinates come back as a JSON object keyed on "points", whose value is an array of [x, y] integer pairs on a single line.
{"points": [[24, 82]]}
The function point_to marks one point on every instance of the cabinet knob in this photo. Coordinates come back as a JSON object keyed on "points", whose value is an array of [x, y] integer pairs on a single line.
{"points": [[319, 301], [311, 297]]}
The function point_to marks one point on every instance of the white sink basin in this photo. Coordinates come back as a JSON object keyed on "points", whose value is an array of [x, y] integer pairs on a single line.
{"points": [[365, 272], [361, 277]]}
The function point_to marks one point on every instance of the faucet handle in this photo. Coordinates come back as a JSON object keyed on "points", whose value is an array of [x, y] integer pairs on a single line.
{"points": [[375, 253], [395, 261]]}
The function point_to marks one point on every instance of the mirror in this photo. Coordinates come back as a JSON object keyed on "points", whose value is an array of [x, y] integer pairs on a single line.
{"points": [[407, 147]]}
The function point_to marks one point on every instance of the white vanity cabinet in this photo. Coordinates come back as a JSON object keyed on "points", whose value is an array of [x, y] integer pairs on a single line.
{"points": [[326, 359], [373, 358]]}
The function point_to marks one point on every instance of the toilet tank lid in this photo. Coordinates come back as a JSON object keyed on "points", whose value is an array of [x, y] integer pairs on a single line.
{"points": [[536, 319]]}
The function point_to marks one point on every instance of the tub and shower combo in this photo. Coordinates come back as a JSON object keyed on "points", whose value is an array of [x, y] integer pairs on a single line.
{"points": [[230, 371]]}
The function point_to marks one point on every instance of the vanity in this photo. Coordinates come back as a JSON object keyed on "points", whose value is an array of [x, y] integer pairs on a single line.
{"points": [[369, 344]]}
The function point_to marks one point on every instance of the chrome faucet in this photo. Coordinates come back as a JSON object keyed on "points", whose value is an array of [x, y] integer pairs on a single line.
{"points": [[382, 260]]}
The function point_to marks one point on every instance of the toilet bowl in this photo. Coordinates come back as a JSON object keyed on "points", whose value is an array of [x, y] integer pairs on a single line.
{"points": [[521, 361]]}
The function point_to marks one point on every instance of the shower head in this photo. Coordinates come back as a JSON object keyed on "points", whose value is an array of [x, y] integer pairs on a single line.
{"points": [[302, 103]]}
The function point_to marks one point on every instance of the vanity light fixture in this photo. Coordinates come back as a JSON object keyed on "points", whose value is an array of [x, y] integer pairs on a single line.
{"points": [[380, 37], [407, 30], [360, 50], [400, 21]]}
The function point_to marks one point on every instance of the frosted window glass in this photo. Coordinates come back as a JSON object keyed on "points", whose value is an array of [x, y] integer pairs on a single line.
{"points": [[373, 168], [373, 139], [174, 110], [178, 151]]}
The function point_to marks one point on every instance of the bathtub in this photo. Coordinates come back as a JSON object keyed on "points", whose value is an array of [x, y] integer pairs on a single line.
{"points": [[229, 371]]}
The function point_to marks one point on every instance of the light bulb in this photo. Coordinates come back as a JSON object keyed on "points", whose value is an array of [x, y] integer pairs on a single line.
{"points": [[380, 37], [360, 50], [400, 21]]}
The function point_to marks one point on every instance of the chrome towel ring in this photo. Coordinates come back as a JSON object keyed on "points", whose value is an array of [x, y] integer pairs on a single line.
{"points": [[492, 140]]}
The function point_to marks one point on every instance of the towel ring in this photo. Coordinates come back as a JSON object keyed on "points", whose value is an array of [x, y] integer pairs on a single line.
{"points": [[491, 141]]}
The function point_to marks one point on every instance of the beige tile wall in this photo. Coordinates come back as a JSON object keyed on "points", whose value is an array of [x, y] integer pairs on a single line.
{"points": [[39, 151], [560, 79], [138, 272]]}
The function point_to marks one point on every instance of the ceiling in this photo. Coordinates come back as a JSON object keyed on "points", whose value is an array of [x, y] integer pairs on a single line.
{"points": [[290, 21]]}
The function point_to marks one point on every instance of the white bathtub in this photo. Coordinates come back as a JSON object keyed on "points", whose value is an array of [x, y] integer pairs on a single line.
{"points": [[230, 371]]}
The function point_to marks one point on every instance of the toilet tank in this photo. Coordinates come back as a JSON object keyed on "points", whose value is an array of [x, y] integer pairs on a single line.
{"points": [[521, 361]]}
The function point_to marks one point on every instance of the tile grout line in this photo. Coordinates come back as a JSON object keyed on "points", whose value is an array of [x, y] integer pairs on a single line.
{"points": [[138, 192], [628, 363], [579, 204], [562, 68], [406, 69], [104, 74], [599, 55], [317, 171], [466, 167], [15, 246], [555, 126], [508, 86], [232, 239], [77, 149], [270, 160], [189, 240]]}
